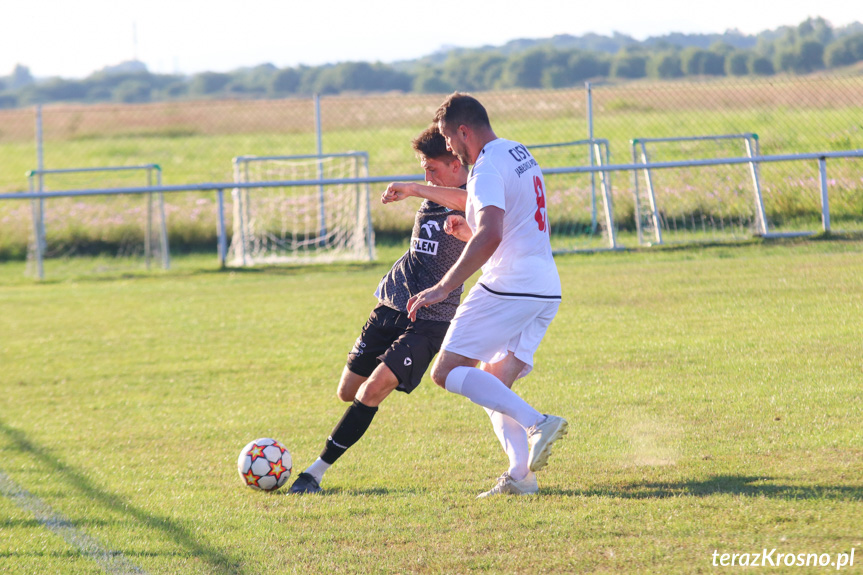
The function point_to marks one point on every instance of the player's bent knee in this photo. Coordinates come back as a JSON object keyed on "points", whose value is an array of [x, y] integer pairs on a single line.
{"points": [[372, 395], [439, 373], [349, 383], [376, 389], [345, 394]]}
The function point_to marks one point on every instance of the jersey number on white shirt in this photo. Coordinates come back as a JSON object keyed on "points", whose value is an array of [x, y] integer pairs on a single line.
{"points": [[540, 216]]}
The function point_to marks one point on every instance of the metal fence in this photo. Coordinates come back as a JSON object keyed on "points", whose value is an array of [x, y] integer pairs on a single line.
{"points": [[195, 141]]}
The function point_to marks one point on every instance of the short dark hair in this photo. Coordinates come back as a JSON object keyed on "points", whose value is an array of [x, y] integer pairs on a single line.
{"points": [[431, 144], [462, 109]]}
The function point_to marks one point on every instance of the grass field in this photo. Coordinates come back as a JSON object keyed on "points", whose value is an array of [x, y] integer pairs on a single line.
{"points": [[714, 396]]}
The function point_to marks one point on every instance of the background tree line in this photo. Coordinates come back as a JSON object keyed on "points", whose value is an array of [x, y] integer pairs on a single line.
{"points": [[558, 62]]}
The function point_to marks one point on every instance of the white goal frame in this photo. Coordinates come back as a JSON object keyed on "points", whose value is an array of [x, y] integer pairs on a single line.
{"points": [[359, 243], [36, 185], [640, 156]]}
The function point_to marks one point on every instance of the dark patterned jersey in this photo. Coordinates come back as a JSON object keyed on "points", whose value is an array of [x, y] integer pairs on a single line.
{"points": [[432, 253]]}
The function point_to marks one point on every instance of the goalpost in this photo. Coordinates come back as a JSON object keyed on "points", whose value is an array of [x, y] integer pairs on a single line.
{"points": [[130, 234], [306, 222], [722, 202]]}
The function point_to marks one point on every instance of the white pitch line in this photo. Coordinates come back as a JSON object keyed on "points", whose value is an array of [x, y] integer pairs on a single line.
{"points": [[112, 562]]}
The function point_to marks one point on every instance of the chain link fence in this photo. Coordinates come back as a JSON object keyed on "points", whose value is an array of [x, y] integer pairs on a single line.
{"points": [[195, 142]]}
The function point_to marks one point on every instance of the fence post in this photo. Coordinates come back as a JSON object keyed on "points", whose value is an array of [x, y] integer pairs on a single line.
{"points": [[825, 203], [590, 154], [163, 226], [753, 150], [605, 182], [223, 242], [37, 243], [651, 195], [148, 229], [40, 158], [638, 229], [39, 215], [320, 149]]}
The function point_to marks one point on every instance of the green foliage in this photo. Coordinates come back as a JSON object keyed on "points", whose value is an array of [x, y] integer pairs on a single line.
{"points": [[133, 91], [586, 65], [285, 82], [524, 70], [629, 66], [697, 62], [811, 56], [55, 90], [21, 77], [361, 77], [559, 62], [845, 51], [761, 66], [816, 29], [431, 82], [8, 101], [209, 83], [256, 82], [666, 65], [737, 63]]}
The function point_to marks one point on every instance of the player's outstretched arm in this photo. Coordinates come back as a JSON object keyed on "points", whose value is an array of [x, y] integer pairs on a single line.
{"points": [[452, 198]]}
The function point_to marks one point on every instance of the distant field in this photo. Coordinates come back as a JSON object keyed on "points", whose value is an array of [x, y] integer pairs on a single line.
{"points": [[713, 393], [194, 142]]}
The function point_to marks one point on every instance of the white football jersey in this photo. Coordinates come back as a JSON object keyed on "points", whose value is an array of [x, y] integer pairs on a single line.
{"points": [[507, 176]]}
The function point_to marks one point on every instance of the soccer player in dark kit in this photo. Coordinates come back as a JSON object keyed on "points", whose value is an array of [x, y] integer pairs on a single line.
{"points": [[393, 352]]}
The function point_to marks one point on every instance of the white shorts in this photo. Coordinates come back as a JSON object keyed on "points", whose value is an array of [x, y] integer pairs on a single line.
{"points": [[487, 327]]}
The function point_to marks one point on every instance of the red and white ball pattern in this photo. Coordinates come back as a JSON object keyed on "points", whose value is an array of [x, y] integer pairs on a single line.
{"points": [[264, 464]]}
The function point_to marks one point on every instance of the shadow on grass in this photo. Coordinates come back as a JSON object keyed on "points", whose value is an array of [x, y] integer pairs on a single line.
{"points": [[216, 561], [273, 270], [731, 244], [371, 491], [293, 269], [749, 486]]}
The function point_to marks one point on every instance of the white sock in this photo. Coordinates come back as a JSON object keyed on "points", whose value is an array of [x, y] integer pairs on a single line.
{"points": [[317, 469], [488, 391], [513, 439]]}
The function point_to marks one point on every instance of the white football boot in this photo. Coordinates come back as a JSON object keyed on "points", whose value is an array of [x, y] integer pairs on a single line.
{"points": [[506, 485], [541, 436]]}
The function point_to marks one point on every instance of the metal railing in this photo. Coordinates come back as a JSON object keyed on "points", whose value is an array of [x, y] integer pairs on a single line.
{"points": [[220, 187]]}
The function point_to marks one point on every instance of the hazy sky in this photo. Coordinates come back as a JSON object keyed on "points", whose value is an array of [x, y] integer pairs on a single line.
{"points": [[74, 39]]}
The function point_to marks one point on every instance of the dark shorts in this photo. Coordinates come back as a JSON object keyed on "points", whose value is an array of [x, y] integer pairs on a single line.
{"points": [[406, 347]]}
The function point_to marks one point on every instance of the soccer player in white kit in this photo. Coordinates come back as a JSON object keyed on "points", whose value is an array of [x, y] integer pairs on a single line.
{"points": [[499, 325]]}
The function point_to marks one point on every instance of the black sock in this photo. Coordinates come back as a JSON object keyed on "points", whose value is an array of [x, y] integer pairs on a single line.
{"points": [[348, 430]]}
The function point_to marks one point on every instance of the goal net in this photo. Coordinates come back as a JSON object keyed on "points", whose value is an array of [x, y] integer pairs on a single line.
{"points": [[580, 210], [310, 221], [697, 203], [86, 234]]}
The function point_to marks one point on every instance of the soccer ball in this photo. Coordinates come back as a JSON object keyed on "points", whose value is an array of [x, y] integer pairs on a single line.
{"points": [[264, 464]]}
